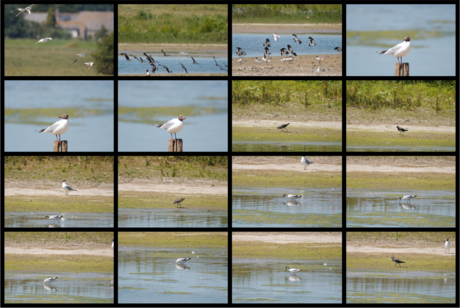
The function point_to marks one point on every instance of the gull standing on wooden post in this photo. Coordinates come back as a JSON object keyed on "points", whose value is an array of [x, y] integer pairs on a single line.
{"points": [[58, 128], [305, 162], [398, 51]]}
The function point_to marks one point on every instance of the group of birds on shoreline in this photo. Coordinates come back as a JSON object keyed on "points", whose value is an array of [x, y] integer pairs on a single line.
{"points": [[283, 51], [44, 40], [155, 68]]}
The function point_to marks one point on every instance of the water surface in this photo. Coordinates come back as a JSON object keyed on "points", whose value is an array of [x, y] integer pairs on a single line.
{"points": [[70, 220]]}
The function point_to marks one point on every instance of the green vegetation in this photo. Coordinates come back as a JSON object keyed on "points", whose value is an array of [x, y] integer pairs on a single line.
{"points": [[390, 101], [59, 241], [196, 24], [407, 219], [319, 100], [313, 251], [275, 178], [138, 199], [29, 115], [43, 170], [381, 297], [406, 239], [103, 57], [190, 167], [287, 13], [174, 239], [375, 38], [82, 204], [298, 134]]}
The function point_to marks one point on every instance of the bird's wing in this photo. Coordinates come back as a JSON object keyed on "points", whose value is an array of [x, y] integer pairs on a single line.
{"points": [[394, 49]]}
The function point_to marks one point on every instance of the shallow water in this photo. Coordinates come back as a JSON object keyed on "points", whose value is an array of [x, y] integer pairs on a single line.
{"points": [[71, 220], [402, 287], [252, 44], [69, 288], [265, 281], [371, 208], [171, 218], [205, 65], [265, 207], [274, 146], [149, 275], [398, 149]]}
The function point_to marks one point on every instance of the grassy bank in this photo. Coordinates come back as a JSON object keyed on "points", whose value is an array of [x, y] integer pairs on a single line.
{"points": [[286, 13], [296, 135], [307, 100], [259, 249], [189, 167], [46, 171], [390, 101], [275, 178], [403, 161], [174, 239], [58, 241], [159, 200], [403, 239], [414, 139], [173, 23], [59, 204]]}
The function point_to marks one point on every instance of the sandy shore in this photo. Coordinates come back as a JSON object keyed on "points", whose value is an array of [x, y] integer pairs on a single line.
{"points": [[392, 128], [174, 188], [302, 65], [20, 191], [272, 124], [59, 251], [286, 28], [434, 250], [289, 237]]}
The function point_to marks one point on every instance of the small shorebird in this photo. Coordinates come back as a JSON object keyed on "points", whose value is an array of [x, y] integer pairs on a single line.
{"points": [[182, 260], [305, 162], [240, 52], [292, 196], [147, 73], [338, 49], [183, 67], [257, 60], [292, 51], [44, 40], [164, 53], [319, 59], [284, 51], [296, 39], [267, 43], [396, 261], [54, 217], [447, 246], [283, 126], [167, 69], [89, 64], [401, 130], [142, 60], [312, 41], [113, 241], [265, 58], [407, 197], [276, 37], [126, 56], [67, 188], [154, 68], [179, 201], [292, 270], [49, 280], [27, 9]]}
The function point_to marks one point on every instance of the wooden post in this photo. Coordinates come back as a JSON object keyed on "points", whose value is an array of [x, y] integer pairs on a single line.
{"points": [[402, 71], [60, 147], [175, 146]]}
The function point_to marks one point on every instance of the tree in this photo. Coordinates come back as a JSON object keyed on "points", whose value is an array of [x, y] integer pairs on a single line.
{"points": [[51, 18], [102, 32], [103, 57]]}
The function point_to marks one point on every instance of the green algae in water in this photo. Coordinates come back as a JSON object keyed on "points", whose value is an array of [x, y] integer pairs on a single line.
{"points": [[170, 292], [256, 300], [401, 298]]}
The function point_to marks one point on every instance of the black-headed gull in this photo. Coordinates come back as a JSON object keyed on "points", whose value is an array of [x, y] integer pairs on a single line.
{"points": [[179, 201], [276, 37], [89, 64], [305, 162], [58, 128], [80, 55], [173, 126], [447, 246], [50, 280], [44, 40], [398, 51], [27, 9], [67, 188], [312, 41], [296, 39]]}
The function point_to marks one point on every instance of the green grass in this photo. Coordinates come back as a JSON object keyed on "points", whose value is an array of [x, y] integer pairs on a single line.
{"points": [[392, 239], [65, 263], [375, 38], [190, 167], [300, 100], [195, 24], [286, 13], [51, 204], [414, 139], [54, 58], [174, 239], [299, 134], [390, 101], [68, 240]]}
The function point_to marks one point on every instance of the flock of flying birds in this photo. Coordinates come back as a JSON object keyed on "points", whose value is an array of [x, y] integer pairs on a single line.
{"points": [[155, 68], [284, 51], [44, 40]]}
